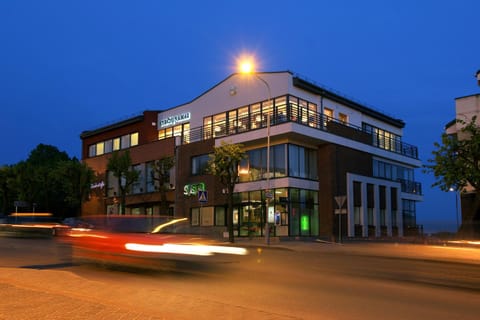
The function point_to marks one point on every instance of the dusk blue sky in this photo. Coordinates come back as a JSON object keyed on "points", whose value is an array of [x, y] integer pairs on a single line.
{"points": [[70, 66]]}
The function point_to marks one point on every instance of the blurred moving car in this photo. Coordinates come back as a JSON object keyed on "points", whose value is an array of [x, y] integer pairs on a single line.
{"points": [[64, 228], [169, 241]]}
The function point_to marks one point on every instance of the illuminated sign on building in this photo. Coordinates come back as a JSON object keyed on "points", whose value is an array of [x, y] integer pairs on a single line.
{"points": [[193, 188], [173, 120], [97, 185]]}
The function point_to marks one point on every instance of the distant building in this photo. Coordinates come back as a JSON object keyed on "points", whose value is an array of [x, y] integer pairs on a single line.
{"points": [[465, 109], [324, 149]]}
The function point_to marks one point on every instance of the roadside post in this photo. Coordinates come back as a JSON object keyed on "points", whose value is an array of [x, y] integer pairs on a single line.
{"points": [[340, 200]]}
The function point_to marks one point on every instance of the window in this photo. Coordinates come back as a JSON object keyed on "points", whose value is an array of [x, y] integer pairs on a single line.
{"points": [[343, 118], [100, 149], [382, 138], [220, 216], [200, 164], [134, 139], [243, 123], [149, 177], [186, 132], [207, 127], [138, 185], [232, 122], [92, 150], [219, 125], [302, 162], [125, 141], [255, 116], [328, 112], [108, 146], [116, 144], [195, 213]]}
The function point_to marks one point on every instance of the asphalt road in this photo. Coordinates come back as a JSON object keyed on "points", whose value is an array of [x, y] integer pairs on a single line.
{"points": [[38, 279]]}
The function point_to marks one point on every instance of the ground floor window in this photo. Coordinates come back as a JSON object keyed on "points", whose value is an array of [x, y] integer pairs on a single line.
{"points": [[290, 212]]}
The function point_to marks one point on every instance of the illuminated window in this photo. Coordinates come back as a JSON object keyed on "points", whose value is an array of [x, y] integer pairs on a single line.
{"points": [[177, 131], [161, 134], [328, 112], [242, 119], [134, 139], [207, 127], [232, 122], [281, 106], [343, 118], [100, 149], [116, 144], [186, 133], [219, 123], [255, 116]]}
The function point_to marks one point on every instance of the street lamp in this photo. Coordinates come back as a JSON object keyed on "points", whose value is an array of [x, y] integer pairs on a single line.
{"points": [[247, 66], [456, 205]]}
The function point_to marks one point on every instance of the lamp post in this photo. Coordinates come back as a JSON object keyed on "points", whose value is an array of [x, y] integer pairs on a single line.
{"points": [[456, 205], [247, 67]]}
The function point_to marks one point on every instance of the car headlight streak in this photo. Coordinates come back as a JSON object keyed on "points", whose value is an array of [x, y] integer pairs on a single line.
{"points": [[188, 249]]}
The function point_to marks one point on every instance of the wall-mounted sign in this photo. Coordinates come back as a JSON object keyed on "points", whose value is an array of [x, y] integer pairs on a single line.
{"points": [[193, 188], [173, 120], [97, 185]]}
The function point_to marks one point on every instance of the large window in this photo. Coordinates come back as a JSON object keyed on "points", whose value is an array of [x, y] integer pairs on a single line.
{"points": [[391, 171], [382, 138], [110, 145], [254, 116], [200, 164], [302, 162], [181, 130]]}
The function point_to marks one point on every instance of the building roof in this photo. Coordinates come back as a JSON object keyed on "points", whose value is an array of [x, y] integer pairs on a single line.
{"points": [[297, 81]]}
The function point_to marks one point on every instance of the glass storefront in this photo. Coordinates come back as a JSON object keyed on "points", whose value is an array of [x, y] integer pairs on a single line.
{"points": [[291, 212]]}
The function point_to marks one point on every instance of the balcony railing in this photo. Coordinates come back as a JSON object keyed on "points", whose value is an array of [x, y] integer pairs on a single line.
{"points": [[303, 117], [412, 187]]}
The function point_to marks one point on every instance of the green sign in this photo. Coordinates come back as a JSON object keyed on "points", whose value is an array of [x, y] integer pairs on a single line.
{"points": [[193, 188]]}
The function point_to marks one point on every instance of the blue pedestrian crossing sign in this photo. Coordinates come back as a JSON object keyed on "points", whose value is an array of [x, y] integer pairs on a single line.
{"points": [[202, 196]]}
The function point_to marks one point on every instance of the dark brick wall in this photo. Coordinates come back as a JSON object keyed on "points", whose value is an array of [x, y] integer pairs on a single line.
{"points": [[334, 162]]}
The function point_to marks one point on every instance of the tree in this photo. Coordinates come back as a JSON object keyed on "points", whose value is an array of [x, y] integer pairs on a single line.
{"points": [[120, 164], [456, 164], [35, 180], [7, 196], [75, 178], [48, 181], [223, 164], [161, 174]]}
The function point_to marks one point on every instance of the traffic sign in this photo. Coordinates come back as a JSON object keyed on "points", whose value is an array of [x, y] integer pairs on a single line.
{"points": [[202, 196], [340, 201]]}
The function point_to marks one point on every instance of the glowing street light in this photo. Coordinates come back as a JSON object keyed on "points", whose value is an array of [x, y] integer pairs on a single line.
{"points": [[247, 66]]}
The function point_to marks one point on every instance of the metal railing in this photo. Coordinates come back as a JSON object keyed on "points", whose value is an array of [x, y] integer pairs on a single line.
{"points": [[303, 117]]}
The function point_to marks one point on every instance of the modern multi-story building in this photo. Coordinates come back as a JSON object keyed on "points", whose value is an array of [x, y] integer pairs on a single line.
{"points": [[336, 166]]}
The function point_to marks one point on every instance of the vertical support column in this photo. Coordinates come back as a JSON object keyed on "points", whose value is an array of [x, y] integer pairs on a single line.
{"points": [[399, 215], [376, 210], [388, 211], [364, 210], [350, 212]]}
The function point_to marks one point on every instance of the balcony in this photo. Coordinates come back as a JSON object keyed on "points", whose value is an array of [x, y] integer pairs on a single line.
{"points": [[303, 117], [411, 187]]}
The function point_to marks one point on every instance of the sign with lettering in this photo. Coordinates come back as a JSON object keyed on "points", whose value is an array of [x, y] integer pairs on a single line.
{"points": [[193, 188], [173, 120], [97, 185]]}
